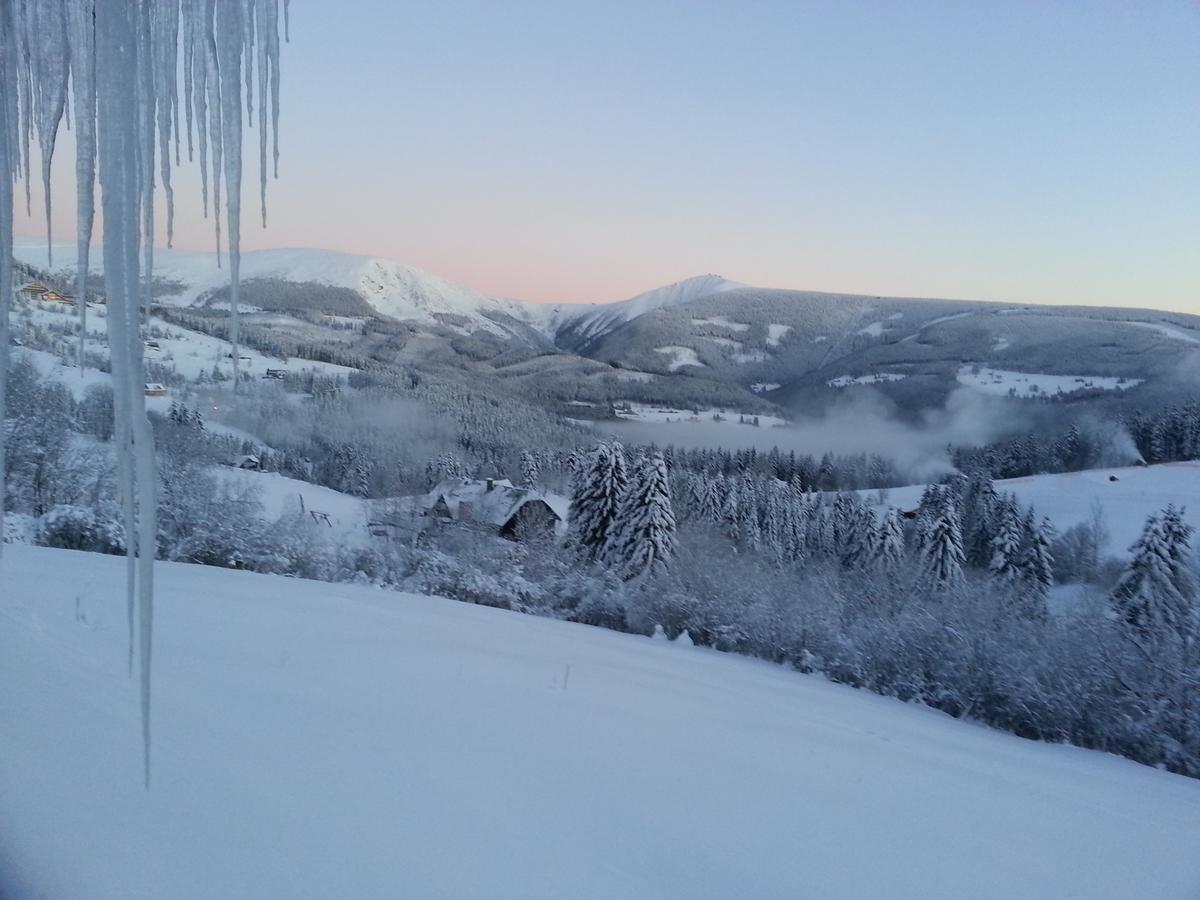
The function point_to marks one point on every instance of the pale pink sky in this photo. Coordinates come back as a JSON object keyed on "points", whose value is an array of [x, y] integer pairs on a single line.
{"points": [[1032, 152]]}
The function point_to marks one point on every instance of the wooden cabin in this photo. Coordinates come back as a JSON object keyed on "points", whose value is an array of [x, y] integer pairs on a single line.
{"points": [[32, 291], [56, 297], [154, 389], [515, 513]]}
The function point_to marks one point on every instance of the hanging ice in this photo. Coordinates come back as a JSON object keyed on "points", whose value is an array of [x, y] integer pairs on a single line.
{"points": [[119, 58]]}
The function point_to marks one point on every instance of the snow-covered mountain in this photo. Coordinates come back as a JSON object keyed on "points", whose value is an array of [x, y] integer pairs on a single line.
{"points": [[391, 288], [583, 323], [715, 334]]}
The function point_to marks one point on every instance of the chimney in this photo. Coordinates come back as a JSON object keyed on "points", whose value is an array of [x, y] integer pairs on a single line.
{"points": [[490, 484]]}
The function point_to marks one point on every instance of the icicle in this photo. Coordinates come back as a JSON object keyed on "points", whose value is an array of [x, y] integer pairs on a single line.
{"points": [[231, 33], [120, 59], [49, 68], [8, 166], [81, 22], [247, 14], [164, 27], [215, 90], [268, 87], [22, 28]]}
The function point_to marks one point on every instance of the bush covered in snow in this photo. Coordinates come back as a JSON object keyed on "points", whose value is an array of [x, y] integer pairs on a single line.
{"points": [[81, 528]]}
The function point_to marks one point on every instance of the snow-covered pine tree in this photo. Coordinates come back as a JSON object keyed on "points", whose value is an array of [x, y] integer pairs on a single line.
{"points": [[1178, 535], [1005, 564], [943, 555], [730, 515], [530, 470], [595, 504], [1038, 562], [644, 537], [890, 543], [1146, 598]]}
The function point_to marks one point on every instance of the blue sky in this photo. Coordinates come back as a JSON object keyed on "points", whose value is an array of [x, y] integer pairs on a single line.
{"points": [[1042, 152]]}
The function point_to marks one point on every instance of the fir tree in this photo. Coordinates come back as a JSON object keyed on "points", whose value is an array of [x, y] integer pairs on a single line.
{"points": [[1005, 565], [644, 536], [595, 505], [1147, 598], [889, 550], [530, 470], [943, 555]]}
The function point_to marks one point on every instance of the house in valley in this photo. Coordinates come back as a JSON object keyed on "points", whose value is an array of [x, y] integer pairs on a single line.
{"points": [[32, 290], [515, 513]]}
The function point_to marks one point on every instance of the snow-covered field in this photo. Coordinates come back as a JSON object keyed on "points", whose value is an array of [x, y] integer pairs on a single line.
{"points": [[775, 333], [643, 412], [878, 378], [875, 329], [1067, 499], [317, 741], [1171, 331], [1025, 384], [722, 322], [280, 495], [680, 357], [187, 352]]}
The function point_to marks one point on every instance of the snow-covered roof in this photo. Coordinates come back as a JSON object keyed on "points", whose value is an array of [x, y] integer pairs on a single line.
{"points": [[495, 506]]}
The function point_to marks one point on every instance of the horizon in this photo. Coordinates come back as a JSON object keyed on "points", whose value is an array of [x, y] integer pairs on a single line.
{"points": [[1045, 156], [59, 263]]}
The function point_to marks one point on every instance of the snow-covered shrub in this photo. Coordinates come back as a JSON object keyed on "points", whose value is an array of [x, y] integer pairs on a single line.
{"points": [[80, 528], [20, 528]]}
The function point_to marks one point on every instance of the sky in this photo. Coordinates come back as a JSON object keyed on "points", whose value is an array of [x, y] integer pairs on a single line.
{"points": [[567, 152]]}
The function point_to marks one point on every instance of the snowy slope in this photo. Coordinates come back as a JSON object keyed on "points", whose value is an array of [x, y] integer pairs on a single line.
{"points": [[390, 288], [316, 741], [586, 322], [1067, 499]]}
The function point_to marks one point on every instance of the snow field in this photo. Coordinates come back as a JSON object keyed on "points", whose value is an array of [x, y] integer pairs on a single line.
{"points": [[878, 378], [681, 356], [1067, 499], [315, 741], [999, 382]]}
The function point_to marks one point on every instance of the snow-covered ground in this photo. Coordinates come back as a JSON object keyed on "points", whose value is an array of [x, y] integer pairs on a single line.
{"points": [[1067, 499], [875, 329], [1031, 384], [680, 357], [775, 333], [723, 322], [390, 287], [317, 741], [1171, 331], [878, 378], [752, 356], [280, 495], [187, 352], [644, 412], [762, 387]]}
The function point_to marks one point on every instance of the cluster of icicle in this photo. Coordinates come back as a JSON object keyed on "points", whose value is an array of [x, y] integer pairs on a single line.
{"points": [[113, 64]]}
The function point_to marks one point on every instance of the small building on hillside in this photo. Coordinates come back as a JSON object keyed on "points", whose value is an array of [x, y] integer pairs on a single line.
{"points": [[32, 290], [56, 297], [248, 462], [154, 389], [515, 513]]}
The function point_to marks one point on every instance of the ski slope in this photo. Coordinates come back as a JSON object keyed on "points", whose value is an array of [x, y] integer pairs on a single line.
{"points": [[318, 741]]}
